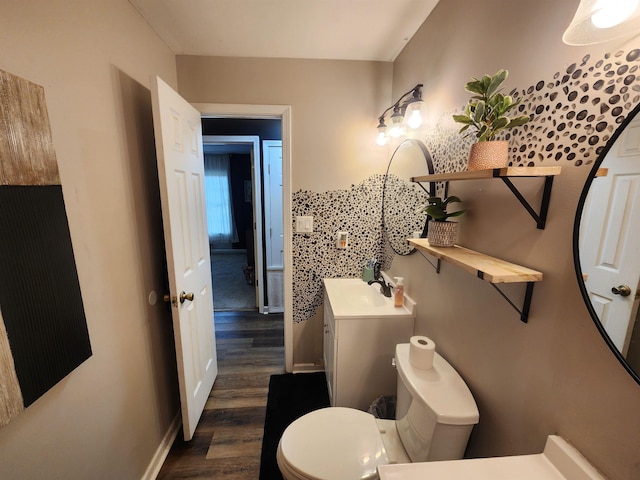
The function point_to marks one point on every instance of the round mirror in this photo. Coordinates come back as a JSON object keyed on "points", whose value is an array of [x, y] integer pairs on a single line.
{"points": [[605, 241], [401, 197]]}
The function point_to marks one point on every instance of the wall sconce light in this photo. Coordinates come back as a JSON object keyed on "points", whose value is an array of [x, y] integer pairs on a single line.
{"points": [[598, 21], [407, 112]]}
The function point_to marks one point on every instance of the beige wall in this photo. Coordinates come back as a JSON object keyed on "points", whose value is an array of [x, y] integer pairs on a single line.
{"points": [[107, 418], [554, 374], [334, 107]]}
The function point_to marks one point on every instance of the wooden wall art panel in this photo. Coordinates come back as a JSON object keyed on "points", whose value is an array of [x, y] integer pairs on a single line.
{"points": [[43, 329]]}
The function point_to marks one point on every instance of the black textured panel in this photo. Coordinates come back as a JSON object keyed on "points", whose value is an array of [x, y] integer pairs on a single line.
{"points": [[39, 290]]}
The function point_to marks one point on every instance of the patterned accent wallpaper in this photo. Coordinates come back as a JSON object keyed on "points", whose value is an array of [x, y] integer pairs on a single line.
{"points": [[357, 211], [573, 115]]}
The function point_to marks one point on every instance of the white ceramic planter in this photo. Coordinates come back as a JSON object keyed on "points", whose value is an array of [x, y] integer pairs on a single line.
{"points": [[442, 234]]}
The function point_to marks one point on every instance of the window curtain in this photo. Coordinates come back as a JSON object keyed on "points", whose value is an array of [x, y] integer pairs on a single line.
{"points": [[217, 182]]}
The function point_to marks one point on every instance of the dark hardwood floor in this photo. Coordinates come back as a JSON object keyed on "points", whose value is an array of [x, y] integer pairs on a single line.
{"points": [[228, 439]]}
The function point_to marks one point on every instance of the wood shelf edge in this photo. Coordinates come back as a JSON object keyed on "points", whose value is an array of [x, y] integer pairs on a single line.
{"points": [[484, 266], [491, 173]]}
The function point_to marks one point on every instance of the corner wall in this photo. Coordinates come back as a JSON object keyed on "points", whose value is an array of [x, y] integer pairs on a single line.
{"points": [[554, 375], [108, 417]]}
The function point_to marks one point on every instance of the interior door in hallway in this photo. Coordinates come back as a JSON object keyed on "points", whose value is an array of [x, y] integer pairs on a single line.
{"points": [[274, 232], [178, 134]]}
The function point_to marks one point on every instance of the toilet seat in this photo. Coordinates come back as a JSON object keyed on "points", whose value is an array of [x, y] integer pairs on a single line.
{"points": [[330, 443]]}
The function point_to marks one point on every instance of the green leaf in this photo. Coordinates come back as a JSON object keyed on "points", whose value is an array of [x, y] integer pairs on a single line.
{"points": [[474, 87], [463, 119], [497, 100], [437, 209], [452, 199], [456, 214], [517, 121], [496, 81], [500, 123], [478, 114], [486, 81]]}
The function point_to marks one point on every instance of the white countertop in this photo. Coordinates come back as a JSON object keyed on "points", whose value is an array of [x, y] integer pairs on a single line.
{"points": [[559, 461], [351, 297]]}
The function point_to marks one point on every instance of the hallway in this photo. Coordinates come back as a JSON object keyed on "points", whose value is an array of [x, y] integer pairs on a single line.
{"points": [[233, 281]]}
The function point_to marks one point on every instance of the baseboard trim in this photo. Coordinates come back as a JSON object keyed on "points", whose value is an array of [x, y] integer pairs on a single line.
{"points": [[163, 449], [307, 368]]}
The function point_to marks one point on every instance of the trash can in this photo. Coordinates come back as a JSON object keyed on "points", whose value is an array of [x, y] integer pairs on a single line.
{"points": [[383, 407]]}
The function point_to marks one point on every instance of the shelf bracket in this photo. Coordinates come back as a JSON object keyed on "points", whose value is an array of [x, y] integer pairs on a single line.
{"points": [[524, 313], [540, 218], [436, 266]]}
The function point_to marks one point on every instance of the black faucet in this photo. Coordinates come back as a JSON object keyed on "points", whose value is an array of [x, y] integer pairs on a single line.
{"points": [[385, 289]]}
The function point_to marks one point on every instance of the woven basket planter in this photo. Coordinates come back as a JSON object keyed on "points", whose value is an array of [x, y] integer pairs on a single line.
{"points": [[484, 155], [442, 234]]}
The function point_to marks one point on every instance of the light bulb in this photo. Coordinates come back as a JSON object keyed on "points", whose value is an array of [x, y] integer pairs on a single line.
{"points": [[415, 119], [415, 113], [396, 131], [609, 13], [382, 139]]}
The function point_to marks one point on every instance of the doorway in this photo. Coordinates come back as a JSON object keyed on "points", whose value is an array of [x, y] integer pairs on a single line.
{"points": [[282, 113], [232, 173], [247, 156]]}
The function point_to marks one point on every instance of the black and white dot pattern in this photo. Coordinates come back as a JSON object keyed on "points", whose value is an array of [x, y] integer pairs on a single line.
{"points": [[358, 211], [573, 115]]}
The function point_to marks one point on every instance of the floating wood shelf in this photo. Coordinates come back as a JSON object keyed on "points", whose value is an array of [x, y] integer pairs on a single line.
{"points": [[505, 174], [491, 173], [490, 269]]}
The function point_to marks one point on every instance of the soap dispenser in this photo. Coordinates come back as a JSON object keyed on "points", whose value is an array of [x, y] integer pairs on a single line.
{"points": [[398, 292]]}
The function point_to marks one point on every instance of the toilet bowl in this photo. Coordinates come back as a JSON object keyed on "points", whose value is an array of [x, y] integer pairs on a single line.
{"points": [[353, 437], [435, 413]]}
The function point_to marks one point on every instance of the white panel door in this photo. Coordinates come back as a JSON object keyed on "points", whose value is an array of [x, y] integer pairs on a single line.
{"points": [[274, 228], [272, 153], [178, 135], [609, 251]]}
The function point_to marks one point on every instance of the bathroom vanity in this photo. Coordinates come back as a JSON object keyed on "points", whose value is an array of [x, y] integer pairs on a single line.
{"points": [[361, 330]]}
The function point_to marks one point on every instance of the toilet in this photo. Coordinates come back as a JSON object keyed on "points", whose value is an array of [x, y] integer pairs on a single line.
{"points": [[435, 413]]}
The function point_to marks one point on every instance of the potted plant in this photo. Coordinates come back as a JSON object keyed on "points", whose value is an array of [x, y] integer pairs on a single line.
{"points": [[486, 116], [441, 232]]}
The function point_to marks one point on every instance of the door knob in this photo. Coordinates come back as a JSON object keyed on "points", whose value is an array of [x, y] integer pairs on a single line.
{"points": [[622, 290], [186, 296]]}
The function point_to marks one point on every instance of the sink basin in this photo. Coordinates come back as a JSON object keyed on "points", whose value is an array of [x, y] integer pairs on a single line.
{"points": [[559, 461], [351, 297]]}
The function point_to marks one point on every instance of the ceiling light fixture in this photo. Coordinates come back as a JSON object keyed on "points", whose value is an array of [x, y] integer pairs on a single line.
{"points": [[407, 112], [598, 21]]}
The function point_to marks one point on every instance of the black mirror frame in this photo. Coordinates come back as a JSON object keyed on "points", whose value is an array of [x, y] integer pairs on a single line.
{"points": [[431, 190], [576, 235]]}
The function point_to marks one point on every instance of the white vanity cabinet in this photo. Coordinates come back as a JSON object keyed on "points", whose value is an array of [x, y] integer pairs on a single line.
{"points": [[361, 330]]}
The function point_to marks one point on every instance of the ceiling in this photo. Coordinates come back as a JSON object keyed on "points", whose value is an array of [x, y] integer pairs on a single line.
{"points": [[314, 29]]}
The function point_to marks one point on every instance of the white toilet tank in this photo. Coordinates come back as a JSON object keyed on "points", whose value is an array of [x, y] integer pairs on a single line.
{"points": [[435, 411]]}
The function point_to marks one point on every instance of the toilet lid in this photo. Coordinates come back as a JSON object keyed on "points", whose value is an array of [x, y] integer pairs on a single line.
{"points": [[332, 443]]}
